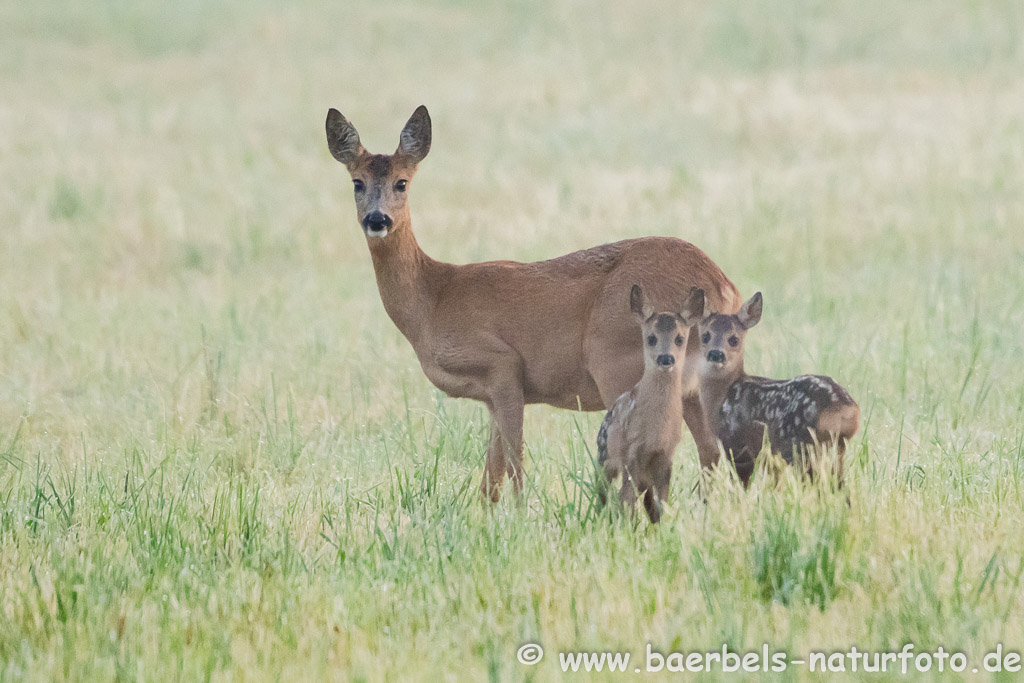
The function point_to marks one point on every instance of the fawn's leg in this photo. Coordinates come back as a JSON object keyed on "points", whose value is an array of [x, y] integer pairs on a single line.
{"points": [[611, 457], [604, 476], [652, 504], [658, 490], [744, 448], [628, 492], [833, 450], [840, 456]]}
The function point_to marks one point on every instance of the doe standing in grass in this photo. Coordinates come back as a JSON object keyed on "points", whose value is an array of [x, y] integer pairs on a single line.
{"points": [[508, 333], [643, 427], [803, 416]]}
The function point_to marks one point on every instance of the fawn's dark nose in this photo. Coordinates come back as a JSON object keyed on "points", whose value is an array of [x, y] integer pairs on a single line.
{"points": [[666, 360], [716, 356], [377, 222]]}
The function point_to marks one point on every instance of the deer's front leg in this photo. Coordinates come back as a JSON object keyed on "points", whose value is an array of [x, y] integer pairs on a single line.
{"points": [[707, 444], [494, 467], [505, 450], [510, 420]]}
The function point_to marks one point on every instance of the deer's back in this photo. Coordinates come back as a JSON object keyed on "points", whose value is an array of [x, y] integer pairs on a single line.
{"points": [[562, 316], [665, 268], [790, 408]]}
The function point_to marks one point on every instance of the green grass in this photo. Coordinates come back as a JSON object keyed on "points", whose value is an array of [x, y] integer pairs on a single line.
{"points": [[219, 459]]}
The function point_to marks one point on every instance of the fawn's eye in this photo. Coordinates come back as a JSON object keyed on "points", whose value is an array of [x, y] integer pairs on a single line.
{"points": [[652, 340], [679, 340], [359, 185], [401, 185], [706, 338], [734, 340]]}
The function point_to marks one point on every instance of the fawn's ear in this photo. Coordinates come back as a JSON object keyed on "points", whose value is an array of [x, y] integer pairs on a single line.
{"points": [[750, 312], [638, 305], [414, 142], [693, 307], [342, 138]]}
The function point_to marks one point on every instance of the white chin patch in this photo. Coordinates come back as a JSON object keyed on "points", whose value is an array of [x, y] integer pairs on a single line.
{"points": [[377, 233]]}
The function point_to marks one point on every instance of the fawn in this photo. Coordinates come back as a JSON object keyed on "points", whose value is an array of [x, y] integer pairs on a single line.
{"points": [[802, 415], [510, 334], [643, 427]]}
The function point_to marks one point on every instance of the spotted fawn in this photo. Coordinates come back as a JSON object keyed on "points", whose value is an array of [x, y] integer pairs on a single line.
{"points": [[802, 416], [643, 427]]}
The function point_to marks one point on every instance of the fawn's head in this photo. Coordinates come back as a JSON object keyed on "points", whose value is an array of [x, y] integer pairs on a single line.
{"points": [[721, 338], [665, 334], [381, 181]]}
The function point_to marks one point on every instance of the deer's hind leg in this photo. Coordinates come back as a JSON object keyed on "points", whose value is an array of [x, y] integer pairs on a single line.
{"points": [[693, 411]]}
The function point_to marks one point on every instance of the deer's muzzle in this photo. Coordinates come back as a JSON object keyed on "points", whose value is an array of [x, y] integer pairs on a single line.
{"points": [[716, 356], [377, 224]]}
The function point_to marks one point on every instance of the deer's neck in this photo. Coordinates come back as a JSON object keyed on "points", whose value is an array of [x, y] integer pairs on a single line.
{"points": [[661, 391], [713, 393], [407, 279]]}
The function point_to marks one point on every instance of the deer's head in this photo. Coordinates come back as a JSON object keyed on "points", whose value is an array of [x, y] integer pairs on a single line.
{"points": [[381, 181], [721, 338], [665, 334]]}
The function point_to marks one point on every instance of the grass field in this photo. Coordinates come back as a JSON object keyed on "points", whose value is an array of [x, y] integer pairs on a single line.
{"points": [[220, 460]]}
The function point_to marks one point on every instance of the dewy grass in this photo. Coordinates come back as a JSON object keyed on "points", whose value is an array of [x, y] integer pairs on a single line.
{"points": [[219, 459], [798, 555]]}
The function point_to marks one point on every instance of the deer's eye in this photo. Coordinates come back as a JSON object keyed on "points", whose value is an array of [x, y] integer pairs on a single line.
{"points": [[679, 340], [652, 340], [706, 338], [359, 185], [401, 185], [734, 341]]}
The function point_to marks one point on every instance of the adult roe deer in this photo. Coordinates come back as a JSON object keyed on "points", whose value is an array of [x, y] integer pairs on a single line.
{"points": [[508, 334], [801, 415], [641, 431]]}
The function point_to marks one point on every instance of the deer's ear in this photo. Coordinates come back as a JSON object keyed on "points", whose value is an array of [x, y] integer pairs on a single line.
{"points": [[693, 307], [750, 312], [342, 138], [638, 305], [414, 143]]}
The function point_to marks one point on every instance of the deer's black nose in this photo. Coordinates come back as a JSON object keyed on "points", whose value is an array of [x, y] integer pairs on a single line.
{"points": [[666, 360], [716, 356], [377, 222]]}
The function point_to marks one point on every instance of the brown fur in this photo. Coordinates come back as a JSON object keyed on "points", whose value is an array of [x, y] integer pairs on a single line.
{"points": [[802, 416], [643, 427], [508, 333]]}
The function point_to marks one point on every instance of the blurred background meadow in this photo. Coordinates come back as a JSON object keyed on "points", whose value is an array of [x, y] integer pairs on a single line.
{"points": [[220, 460]]}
